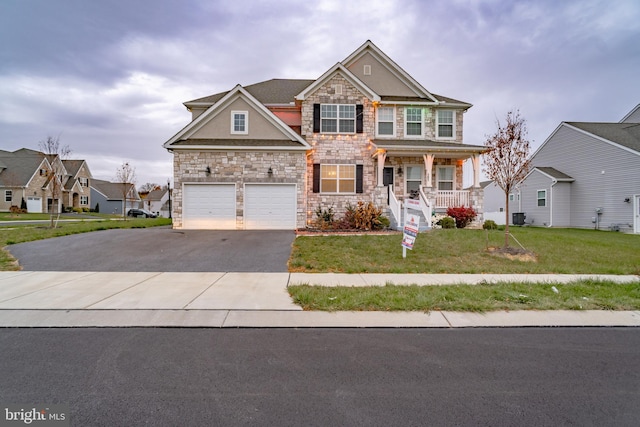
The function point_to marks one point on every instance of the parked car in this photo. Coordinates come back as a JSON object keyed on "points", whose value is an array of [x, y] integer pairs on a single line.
{"points": [[141, 213]]}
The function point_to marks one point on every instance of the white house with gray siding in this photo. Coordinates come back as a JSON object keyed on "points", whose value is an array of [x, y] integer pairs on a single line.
{"points": [[586, 175]]}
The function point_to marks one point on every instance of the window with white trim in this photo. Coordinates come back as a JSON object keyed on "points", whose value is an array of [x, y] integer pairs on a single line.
{"points": [[542, 198], [445, 125], [511, 197], [413, 121], [84, 200], [337, 178], [240, 122], [84, 182], [8, 195], [337, 118], [445, 178], [386, 121]]}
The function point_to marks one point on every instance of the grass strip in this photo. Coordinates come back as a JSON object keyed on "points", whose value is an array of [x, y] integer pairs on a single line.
{"points": [[578, 295], [462, 251], [20, 233]]}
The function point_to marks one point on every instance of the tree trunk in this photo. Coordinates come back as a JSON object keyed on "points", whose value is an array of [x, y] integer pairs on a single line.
{"points": [[506, 226]]}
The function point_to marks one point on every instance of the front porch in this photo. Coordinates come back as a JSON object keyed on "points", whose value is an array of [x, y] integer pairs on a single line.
{"points": [[429, 171]]}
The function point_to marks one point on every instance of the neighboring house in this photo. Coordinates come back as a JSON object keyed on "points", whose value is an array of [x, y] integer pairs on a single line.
{"points": [[494, 202], [77, 191], [157, 201], [110, 196], [266, 156], [585, 175], [24, 174], [29, 175]]}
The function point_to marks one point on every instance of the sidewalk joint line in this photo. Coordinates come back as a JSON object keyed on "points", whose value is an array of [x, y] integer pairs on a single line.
{"points": [[185, 307], [89, 273], [121, 291], [445, 318]]}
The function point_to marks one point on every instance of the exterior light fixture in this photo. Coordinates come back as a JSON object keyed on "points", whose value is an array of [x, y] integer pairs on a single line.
{"points": [[207, 171], [400, 171], [270, 172]]}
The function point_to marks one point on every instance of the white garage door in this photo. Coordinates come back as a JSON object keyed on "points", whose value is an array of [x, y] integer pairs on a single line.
{"points": [[209, 207], [270, 206], [34, 204]]}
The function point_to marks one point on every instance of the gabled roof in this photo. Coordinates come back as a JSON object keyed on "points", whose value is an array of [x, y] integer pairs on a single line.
{"points": [[631, 113], [290, 141], [74, 166], [156, 194], [112, 190], [395, 69], [553, 174], [624, 134], [20, 166], [348, 75], [270, 92]]}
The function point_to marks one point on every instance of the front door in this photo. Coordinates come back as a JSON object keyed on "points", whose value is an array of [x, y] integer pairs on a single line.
{"points": [[387, 179]]}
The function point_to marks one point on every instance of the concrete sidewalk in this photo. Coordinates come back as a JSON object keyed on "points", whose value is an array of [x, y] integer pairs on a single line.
{"points": [[116, 299]]}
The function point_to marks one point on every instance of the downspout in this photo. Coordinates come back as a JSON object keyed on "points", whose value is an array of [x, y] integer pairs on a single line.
{"points": [[554, 182]]}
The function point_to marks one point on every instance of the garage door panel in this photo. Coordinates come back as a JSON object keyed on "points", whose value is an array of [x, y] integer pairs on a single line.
{"points": [[270, 207], [209, 206]]}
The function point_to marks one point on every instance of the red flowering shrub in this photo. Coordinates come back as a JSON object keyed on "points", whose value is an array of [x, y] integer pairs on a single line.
{"points": [[462, 215]]}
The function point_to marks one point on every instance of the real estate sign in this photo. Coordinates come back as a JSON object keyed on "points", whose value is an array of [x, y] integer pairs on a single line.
{"points": [[411, 225]]}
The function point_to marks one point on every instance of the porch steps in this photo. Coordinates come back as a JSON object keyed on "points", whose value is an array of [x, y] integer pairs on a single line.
{"points": [[394, 225]]}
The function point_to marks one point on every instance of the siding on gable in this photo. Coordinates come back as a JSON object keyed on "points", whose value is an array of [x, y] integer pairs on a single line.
{"points": [[604, 176], [219, 127], [381, 80]]}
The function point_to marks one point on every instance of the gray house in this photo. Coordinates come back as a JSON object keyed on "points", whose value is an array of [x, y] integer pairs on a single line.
{"points": [[585, 175], [109, 195]]}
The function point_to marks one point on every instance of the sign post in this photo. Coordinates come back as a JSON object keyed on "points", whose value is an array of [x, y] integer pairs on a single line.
{"points": [[411, 225]]}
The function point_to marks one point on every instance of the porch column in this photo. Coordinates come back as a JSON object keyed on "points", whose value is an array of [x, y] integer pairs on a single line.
{"points": [[382, 156], [428, 167], [475, 160]]}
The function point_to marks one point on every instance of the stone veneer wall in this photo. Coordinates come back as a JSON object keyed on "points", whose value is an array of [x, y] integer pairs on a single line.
{"points": [[339, 148], [240, 167]]}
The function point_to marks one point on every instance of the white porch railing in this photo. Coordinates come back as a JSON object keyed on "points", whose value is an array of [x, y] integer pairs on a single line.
{"points": [[394, 205], [452, 198], [426, 207]]}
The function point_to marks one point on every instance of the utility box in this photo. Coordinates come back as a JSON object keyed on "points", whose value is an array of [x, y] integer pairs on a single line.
{"points": [[518, 218]]}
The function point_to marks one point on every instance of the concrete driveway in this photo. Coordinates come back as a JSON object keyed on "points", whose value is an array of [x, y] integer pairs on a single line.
{"points": [[159, 249]]}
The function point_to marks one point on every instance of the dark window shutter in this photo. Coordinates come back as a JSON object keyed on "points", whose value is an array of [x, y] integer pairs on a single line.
{"points": [[359, 178], [316, 118], [316, 177], [359, 115]]}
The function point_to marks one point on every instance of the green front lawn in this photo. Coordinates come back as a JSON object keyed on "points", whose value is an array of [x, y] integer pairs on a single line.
{"points": [[20, 233], [465, 251]]}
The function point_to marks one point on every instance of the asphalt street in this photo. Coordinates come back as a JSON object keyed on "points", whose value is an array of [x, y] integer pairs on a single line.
{"points": [[159, 249], [386, 377]]}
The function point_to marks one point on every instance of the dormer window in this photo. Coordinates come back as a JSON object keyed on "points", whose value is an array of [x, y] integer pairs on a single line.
{"points": [[240, 122]]}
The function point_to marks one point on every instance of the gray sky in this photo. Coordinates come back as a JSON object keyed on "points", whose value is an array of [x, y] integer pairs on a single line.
{"points": [[109, 76]]}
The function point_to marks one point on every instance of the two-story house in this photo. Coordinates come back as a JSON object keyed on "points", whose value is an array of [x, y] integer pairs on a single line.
{"points": [[269, 154], [45, 182]]}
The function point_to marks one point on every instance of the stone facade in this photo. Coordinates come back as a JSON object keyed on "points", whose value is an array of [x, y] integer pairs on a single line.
{"points": [[239, 167], [350, 148]]}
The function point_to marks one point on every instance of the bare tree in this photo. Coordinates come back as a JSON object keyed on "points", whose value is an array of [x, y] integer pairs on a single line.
{"points": [[126, 176], [55, 153], [507, 158], [148, 187]]}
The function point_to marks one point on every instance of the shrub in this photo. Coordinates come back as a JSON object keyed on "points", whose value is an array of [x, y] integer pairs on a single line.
{"points": [[324, 217], [447, 222], [97, 208], [68, 209], [77, 210], [367, 216], [462, 215], [23, 205], [85, 209], [490, 225]]}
